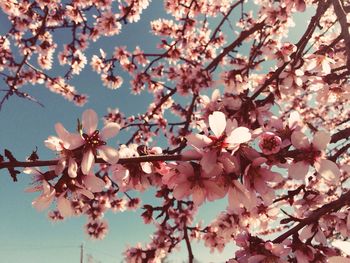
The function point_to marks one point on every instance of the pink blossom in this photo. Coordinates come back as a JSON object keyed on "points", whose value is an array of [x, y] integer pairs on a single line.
{"points": [[270, 143], [64, 143], [45, 199], [94, 141], [96, 229], [238, 194], [312, 154], [319, 63], [196, 182], [107, 24], [227, 136], [111, 81], [257, 178]]}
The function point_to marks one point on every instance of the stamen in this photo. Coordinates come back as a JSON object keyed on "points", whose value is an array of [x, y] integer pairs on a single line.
{"points": [[93, 140]]}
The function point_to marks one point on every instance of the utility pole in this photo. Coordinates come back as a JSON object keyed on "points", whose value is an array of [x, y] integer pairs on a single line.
{"points": [[81, 252]]}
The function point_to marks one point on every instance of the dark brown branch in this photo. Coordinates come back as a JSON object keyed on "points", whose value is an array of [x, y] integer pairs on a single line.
{"points": [[244, 34], [188, 245], [217, 29], [139, 159], [342, 134], [315, 215], [339, 152], [341, 14]]}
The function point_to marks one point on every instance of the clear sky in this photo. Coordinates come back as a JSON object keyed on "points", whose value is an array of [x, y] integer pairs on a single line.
{"points": [[27, 235]]}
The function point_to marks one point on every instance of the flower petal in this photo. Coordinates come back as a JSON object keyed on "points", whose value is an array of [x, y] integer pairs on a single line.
{"points": [[344, 246], [185, 168], [62, 133], [238, 195], [208, 161], [214, 191], [217, 123], [181, 190], [109, 154], [198, 195], [338, 259], [93, 183], [146, 167], [72, 168], [298, 170], [53, 143], [239, 135], [47, 189], [89, 121], [230, 165], [299, 140], [43, 202], [321, 139], [64, 206], [231, 125], [328, 170], [59, 168], [198, 140], [109, 131], [85, 192], [74, 141], [87, 162]]}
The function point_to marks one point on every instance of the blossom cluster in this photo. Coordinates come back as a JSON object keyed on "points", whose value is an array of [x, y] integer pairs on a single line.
{"points": [[270, 139], [221, 162]]}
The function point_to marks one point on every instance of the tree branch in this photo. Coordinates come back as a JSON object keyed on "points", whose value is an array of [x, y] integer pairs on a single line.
{"points": [[244, 34], [341, 14], [188, 245], [139, 159], [342, 134], [315, 215]]}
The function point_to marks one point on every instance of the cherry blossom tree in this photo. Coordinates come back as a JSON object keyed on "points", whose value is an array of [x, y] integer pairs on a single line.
{"points": [[257, 119]]}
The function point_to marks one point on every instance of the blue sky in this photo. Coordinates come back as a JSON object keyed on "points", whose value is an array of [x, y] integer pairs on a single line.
{"points": [[27, 235]]}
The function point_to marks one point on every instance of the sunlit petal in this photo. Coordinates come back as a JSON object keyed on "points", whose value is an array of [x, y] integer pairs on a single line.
{"points": [[217, 123], [109, 131], [64, 206], [87, 162], [239, 135], [198, 140], [328, 170], [93, 183], [89, 121], [181, 190], [72, 168], [342, 245], [61, 131], [198, 195], [321, 139], [299, 140], [109, 154], [338, 259]]}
